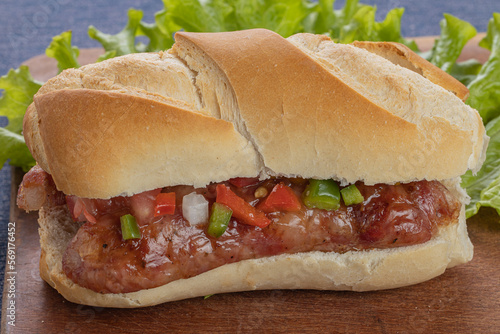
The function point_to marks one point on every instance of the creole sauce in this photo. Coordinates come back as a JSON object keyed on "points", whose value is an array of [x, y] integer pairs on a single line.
{"points": [[170, 248]]}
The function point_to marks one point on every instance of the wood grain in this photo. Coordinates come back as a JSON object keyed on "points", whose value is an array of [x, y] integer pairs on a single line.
{"points": [[465, 299]]}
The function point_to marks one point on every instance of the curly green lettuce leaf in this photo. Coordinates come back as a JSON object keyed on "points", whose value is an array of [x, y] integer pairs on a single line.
{"points": [[491, 40], [320, 19], [160, 33], [466, 71], [455, 33], [356, 21], [61, 50], [360, 27], [485, 88], [342, 25], [14, 148], [207, 16], [484, 188], [282, 16], [121, 43], [389, 30], [18, 90], [345, 18]]}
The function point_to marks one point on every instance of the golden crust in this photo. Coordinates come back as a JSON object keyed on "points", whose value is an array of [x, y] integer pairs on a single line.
{"points": [[157, 73], [305, 106], [402, 55], [307, 115], [133, 143]]}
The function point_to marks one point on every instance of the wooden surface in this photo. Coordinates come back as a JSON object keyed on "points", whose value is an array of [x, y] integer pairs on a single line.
{"points": [[465, 299]]}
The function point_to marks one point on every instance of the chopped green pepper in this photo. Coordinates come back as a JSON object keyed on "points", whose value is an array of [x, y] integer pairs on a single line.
{"points": [[351, 195], [130, 229], [219, 219], [322, 194]]}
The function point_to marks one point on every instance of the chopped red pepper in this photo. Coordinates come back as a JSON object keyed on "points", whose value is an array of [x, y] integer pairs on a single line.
{"points": [[242, 210], [281, 198], [165, 204], [241, 182]]}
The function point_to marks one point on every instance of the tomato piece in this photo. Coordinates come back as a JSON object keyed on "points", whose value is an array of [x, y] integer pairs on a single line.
{"points": [[164, 204], [242, 210], [241, 182], [281, 198]]}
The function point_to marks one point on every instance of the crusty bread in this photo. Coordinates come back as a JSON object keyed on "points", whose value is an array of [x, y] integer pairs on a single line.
{"points": [[159, 73], [334, 110], [401, 55], [305, 106], [252, 103], [354, 270], [135, 143]]}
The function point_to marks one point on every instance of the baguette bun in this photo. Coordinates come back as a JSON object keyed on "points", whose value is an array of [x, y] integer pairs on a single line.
{"points": [[250, 103], [303, 106], [354, 270]]}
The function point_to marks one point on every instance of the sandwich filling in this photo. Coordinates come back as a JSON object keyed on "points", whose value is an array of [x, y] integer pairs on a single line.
{"points": [[179, 232]]}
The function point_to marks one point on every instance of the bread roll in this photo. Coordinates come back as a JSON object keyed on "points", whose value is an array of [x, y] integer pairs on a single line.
{"points": [[251, 103]]}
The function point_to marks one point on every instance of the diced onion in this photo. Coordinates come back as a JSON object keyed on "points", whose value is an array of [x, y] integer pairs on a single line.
{"points": [[143, 206], [195, 208]]}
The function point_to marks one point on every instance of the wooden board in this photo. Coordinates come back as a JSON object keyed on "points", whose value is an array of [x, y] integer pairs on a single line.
{"points": [[465, 299]]}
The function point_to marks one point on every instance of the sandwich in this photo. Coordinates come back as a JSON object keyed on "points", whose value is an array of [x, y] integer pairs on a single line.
{"points": [[243, 161]]}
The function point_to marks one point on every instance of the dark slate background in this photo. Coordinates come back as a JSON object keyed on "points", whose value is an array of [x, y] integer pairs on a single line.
{"points": [[27, 26]]}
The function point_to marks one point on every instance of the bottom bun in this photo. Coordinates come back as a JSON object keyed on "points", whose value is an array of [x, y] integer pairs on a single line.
{"points": [[374, 269]]}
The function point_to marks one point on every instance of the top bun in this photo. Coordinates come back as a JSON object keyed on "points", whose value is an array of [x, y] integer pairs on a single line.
{"points": [[247, 103]]}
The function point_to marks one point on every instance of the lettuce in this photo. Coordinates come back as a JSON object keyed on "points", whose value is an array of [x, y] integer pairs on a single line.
{"points": [[485, 88], [122, 43], [484, 188], [160, 33], [284, 16], [194, 15], [354, 21], [466, 71], [14, 148], [19, 88], [322, 19], [455, 33], [281, 16], [61, 50]]}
